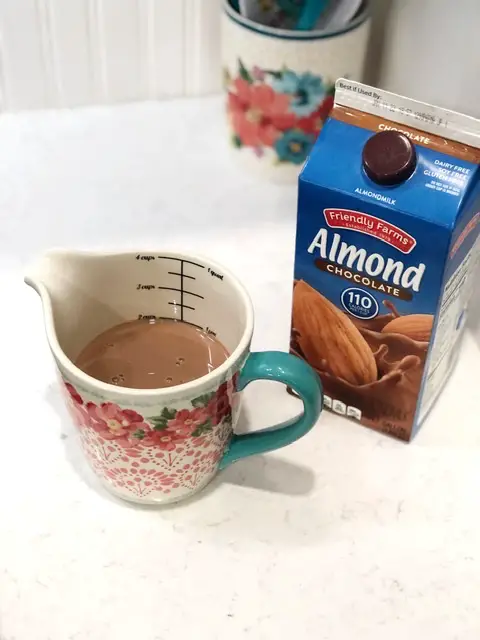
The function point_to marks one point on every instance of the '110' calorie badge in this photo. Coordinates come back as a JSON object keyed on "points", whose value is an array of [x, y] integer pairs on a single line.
{"points": [[359, 303]]}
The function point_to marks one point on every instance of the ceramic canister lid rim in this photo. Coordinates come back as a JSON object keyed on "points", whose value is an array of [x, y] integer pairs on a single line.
{"points": [[295, 35]]}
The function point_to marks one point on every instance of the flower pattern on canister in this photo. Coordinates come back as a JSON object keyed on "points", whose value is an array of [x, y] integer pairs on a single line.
{"points": [[281, 111]]}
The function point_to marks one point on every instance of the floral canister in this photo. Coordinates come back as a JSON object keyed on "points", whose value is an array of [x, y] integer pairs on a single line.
{"points": [[279, 88]]}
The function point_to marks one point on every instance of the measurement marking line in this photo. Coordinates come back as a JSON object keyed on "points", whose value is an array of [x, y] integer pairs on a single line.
{"points": [[194, 325], [175, 320], [175, 273], [181, 292], [197, 295], [182, 306], [195, 264], [190, 293]]}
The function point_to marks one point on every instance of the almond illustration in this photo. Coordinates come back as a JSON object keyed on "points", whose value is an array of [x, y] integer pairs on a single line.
{"points": [[329, 339], [417, 326]]}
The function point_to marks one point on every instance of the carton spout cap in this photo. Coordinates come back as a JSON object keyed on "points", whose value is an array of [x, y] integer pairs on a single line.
{"points": [[389, 158]]}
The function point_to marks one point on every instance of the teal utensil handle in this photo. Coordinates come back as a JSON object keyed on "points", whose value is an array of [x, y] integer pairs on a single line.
{"points": [[295, 373], [312, 11]]}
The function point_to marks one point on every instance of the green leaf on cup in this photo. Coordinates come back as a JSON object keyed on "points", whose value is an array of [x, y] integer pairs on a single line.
{"points": [[202, 401], [159, 426], [202, 429], [159, 422], [243, 71], [168, 414]]}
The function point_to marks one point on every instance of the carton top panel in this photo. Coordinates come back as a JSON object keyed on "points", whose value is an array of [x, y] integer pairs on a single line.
{"points": [[434, 191]]}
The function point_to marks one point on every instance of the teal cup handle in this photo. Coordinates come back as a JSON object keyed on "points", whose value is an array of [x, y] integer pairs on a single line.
{"points": [[293, 372]]}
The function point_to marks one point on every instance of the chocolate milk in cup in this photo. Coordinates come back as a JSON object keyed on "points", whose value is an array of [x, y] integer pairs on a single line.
{"points": [[387, 243]]}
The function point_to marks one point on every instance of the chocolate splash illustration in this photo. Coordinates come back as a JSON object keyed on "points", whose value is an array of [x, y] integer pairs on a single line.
{"points": [[389, 403], [380, 321]]}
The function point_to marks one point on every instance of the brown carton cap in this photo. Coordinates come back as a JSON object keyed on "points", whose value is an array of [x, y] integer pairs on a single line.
{"points": [[389, 158]]}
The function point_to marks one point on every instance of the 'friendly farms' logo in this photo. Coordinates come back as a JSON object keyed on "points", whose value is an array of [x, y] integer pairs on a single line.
{"points": [[372, 226]]}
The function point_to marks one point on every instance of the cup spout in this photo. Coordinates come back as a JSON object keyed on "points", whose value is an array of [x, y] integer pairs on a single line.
{"points": [[76, 290], [46, 272], [60, 278]]}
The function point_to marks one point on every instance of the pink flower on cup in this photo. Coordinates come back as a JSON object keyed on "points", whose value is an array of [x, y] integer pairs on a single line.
{"points": [[73, 393], [233, 382], [79, 415], [234, 392], [164, 439], [220, 406], [185, 422], [75, 406], [113, 423]]}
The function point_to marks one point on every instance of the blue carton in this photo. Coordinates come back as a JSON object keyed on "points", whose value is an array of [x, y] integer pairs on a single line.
{"points": [[386, 248]]}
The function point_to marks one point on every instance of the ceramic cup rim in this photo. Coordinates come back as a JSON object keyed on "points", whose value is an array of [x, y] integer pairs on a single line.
{"points": [[184, 390], [291, 34]]}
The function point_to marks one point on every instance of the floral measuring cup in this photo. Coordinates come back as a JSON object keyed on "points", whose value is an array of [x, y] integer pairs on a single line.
{"points": [[155, 446]]}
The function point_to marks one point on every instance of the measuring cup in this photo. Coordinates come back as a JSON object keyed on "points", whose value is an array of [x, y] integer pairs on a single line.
{"points": [[155, 446]]}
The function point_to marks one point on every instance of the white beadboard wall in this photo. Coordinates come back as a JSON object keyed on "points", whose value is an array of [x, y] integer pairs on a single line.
{"points": [[64, 53]]}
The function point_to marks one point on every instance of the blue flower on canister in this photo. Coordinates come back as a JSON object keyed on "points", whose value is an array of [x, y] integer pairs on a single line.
{"points": [[306, 89], [294, 146]]}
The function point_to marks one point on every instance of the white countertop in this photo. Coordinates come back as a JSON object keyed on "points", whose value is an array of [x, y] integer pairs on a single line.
{"points": [[346, 535]]}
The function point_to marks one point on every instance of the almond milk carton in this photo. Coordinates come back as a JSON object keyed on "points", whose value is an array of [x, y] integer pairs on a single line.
{"points": [[387, 244]]}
